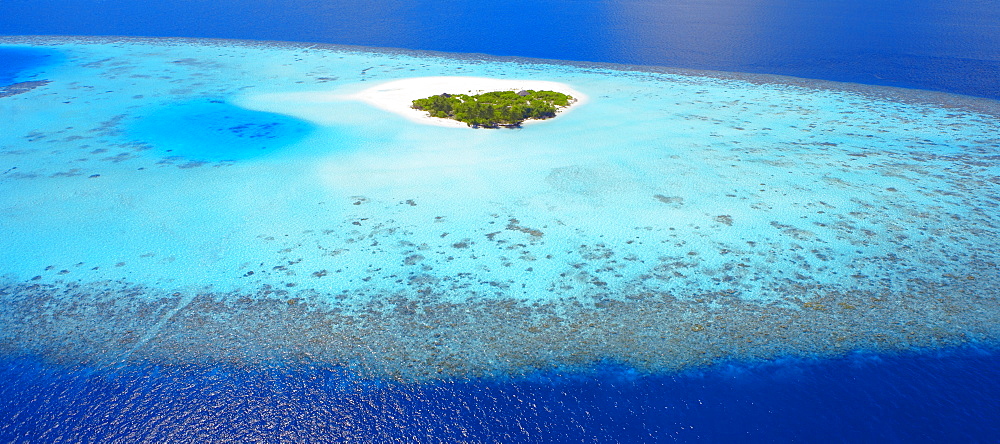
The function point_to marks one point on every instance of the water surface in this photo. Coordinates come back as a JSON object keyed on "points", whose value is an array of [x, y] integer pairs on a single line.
{"points": [[952, 46], [689, 256]]}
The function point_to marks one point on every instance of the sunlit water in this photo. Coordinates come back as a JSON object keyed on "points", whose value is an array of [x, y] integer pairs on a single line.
{"points": [[949, 46], [160, 207]]}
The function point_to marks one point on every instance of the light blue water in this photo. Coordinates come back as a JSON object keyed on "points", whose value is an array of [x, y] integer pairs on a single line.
{"points": [[178, 203]]}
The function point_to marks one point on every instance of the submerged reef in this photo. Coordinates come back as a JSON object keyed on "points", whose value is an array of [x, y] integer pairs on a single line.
{"points": [[417, 336], [21, 87]]}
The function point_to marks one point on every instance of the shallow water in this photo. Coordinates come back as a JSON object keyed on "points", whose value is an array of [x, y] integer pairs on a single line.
{"points": [[210, 130], [18, 61], [166, 207]]}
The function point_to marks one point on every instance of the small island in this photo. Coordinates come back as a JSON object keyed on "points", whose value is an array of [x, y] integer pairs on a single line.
{"points": [[495, 109]]}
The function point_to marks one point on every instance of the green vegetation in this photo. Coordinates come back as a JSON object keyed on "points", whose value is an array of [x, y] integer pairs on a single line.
{"points": [[495, 109]]}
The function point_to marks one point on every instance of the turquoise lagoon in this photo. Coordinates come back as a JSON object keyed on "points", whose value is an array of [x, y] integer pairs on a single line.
{"points": [[157, 207]]}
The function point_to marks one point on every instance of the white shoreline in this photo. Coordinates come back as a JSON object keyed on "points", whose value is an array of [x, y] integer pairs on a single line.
{"points": [[398, 95]]}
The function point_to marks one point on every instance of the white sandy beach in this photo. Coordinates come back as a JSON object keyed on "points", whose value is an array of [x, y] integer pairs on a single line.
{"points": [[397, 96]]}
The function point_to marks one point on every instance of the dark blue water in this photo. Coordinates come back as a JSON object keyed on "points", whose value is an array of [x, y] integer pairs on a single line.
{"points": [[15, 62], [951, 46], [951, 396]]}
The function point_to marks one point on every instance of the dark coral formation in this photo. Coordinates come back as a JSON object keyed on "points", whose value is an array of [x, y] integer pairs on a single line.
{"points": [[21, 87], [416, 336]]}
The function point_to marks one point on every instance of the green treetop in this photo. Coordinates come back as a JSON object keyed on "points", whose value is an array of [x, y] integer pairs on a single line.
{"points": [[495, 109]]}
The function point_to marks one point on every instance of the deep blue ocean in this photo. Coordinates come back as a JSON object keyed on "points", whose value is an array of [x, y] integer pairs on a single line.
{"points": [[951, 396], [936, 396], [948, 46]]}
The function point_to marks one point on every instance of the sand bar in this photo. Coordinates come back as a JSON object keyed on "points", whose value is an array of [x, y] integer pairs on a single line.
{"points": [[398, 95]]}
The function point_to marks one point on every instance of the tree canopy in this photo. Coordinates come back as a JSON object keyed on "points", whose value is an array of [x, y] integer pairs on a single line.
{"points": [[495, 109]]}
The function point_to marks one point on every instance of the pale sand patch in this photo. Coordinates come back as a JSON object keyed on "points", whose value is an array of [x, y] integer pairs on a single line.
{"points": [[398, 95], [395, 96], [314, 106]]}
